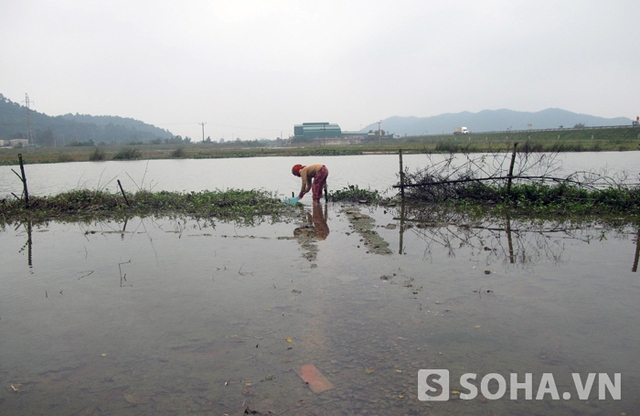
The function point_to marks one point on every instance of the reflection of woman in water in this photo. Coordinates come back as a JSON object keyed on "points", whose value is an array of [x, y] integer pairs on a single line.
{"points": [[320, 222], [317, 227], [313, 177]]}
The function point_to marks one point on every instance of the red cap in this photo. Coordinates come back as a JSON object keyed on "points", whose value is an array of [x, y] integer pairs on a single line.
{"points": [[296, 169]]}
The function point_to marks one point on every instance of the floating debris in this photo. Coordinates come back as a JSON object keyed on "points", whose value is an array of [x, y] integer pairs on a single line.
{"points": [[314, 378]]}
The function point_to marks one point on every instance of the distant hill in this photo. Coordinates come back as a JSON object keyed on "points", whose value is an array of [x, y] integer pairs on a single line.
{"points": [[492, 120], [69, 128]]}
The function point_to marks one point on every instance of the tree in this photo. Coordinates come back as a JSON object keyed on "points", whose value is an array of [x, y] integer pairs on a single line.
{"points": [[45, 138]]}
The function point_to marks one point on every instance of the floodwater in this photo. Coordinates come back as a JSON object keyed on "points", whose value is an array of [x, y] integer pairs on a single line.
{"points": [[160, 316], [273, 174], [169, 316]]}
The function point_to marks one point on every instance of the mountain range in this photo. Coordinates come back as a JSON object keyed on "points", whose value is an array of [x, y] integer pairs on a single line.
{"points": [[492, 120], [70, 128]]}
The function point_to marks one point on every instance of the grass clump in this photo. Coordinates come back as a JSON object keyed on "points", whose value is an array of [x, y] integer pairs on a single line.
{"points": [[64, 157], [128, 153], [97, 155], [179, 153], [353, 193]]}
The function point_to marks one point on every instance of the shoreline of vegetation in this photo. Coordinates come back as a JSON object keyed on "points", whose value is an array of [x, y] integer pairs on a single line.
{"points": [[567, 140], [247, 207], [524, 201], [529, 201], [548, 201]]}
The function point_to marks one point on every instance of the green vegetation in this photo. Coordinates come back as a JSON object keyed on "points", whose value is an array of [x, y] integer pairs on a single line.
{"points": [[179, 153], [128, 153], [252, 207], [566, 140], [570, 199], [353, 193], [233, 205], [63, 157], [531, 190], [97, 155], [538, 199]]}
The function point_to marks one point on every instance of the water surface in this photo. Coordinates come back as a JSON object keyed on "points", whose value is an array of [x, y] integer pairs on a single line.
{"points": [[273, 174], [168, 316]]}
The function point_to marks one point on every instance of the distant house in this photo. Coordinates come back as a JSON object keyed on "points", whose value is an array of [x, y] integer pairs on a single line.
{"points": [[353, 137], [19, 142]]}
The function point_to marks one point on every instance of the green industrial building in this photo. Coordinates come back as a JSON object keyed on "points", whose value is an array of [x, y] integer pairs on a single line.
{"points": [[310, 131]]}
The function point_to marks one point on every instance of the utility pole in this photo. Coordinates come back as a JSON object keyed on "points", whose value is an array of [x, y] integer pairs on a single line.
{"points": [[202, 124], [379, 131]]}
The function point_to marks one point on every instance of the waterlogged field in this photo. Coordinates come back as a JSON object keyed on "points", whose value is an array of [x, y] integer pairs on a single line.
{"points": [[333, 313]]}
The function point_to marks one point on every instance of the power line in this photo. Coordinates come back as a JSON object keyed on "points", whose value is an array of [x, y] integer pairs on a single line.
{"points": [[216, 124]]}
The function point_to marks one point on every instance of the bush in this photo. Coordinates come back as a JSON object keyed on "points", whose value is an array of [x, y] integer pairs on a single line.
{"points": [[97, 155], [179, 153], [64, 157], [128, 153]]}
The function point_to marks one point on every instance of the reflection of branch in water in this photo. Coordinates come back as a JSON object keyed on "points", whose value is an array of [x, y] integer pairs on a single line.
{"points": [[124, 228], [90, 272], [509, 240], [241, 273], [440, 227], [149, 237], [517, 242], [29, 243], [401, 233], [123, 277], [634, 268]]}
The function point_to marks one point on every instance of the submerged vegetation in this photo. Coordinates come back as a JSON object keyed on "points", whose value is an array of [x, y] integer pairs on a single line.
{"points": [[247, 207]]}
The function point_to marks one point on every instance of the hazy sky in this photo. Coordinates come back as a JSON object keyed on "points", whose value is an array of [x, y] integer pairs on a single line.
{"points": [[255, 68]]}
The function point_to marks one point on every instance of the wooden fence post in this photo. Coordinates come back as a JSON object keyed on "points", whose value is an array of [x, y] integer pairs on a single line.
{"points": [[123, 194], [23, 179], [510, 175]]}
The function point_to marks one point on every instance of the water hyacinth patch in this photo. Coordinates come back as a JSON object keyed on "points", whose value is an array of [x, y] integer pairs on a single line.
{"points": [[231, 204]]}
